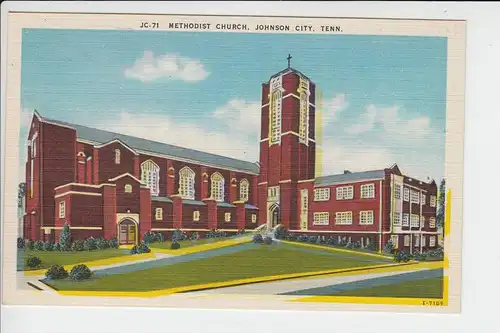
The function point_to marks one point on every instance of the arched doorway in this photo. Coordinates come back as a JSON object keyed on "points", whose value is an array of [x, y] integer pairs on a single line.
{"points": [[127, 232], [274, 215]]}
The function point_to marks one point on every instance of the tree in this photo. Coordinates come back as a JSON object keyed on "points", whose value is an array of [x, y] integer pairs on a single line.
{"points": [[65, 238], [21, 194], [441, 204]]}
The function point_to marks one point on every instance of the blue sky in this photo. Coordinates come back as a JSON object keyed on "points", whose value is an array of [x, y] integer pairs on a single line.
{"points": [[383, 96]]}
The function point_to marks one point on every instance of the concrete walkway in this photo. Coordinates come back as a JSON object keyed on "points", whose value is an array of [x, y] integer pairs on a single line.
{"points": [[288, 287], [368, 283]]}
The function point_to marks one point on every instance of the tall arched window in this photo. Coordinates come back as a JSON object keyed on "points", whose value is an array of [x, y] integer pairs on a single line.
{"points": [[304, 111], [186, 183], [244, 190], [150, 175], [217, 188], [117, 156]]}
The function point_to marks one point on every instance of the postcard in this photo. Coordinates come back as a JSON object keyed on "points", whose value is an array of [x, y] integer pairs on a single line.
{"points": [[234, 162]]}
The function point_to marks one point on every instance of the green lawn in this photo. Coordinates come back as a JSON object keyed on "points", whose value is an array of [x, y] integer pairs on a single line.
{"points": [[67, 258], [262, 261], [186, 243], [423, 288]]}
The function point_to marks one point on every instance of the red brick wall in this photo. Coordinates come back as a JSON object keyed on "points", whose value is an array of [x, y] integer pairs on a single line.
{"points": [[187, 217], [58, 153], [127, 201], [221, 222], [167, 221], [107, 167], [86, 211], [356, 205], [248, 219], [109, 211]]}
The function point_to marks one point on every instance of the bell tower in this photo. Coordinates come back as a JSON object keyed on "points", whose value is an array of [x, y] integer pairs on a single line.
{"points": [[287, 145]]}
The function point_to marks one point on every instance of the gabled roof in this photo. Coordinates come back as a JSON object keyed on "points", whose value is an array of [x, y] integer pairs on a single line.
{"points": [[144, 146], [349, 177]]}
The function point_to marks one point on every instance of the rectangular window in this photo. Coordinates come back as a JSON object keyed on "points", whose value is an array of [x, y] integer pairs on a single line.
{"points": [[321, 218], [422, 199], [275, 117], [345, 193], [33, 148], [322, 194], [254, 218], [423, 240], [343, 218], [432, 241], [32, 166], [368, 191], [395, 241], [422, 221], [415, 220], [62, 209], [415, 197], [159, 214], [196, 216], [227, 217], [417, 240], [406, 220], [433, 201], [406, 194], [397, 192], [432, 222], [407, 240], [396, 219], [304, 206], [366, 217], [273, 192]]}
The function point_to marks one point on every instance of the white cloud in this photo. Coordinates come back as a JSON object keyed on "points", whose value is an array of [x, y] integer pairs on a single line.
{"points": [[171, 66], [332, 107], [240, 115], [393, 124], [336, 158], [367, 120]]}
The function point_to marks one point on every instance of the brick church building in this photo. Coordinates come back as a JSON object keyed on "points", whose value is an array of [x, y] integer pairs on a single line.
{"points": [[108, 185]]}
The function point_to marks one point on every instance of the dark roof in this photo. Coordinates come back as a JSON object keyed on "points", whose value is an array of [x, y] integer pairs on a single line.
{"points": [[225, 204], [293, 70], [248, 206], [101, 137], [161, 199], [193, 202], [348, 177]]}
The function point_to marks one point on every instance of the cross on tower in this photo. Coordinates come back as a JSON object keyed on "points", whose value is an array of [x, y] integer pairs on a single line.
{"points": [[288, 58]]}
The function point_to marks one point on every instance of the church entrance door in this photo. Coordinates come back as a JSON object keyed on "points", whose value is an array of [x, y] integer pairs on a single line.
{"points": [[127, 232], [275, 215]]}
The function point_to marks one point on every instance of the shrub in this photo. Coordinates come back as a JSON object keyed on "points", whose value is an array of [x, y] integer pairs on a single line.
{"points": [[159, 237], [33, 262], [77, 245], [134, 250], [39, 245], [143, 248], [20, 243], [29, 244], [280, 232], [65, 238], [331, 240], [389, 247], [57, 247], [113, 243], [90, 244], [349, 245], [195, 236], [175, 246], [149, 237], [312, 239], [48, 246], [178, 235], [101, 244], [291, 237], [302, 238], [240, 232], [80, 272], [56, 272], [258, 238], [268, 240], [318, 240], [401, 256]]}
